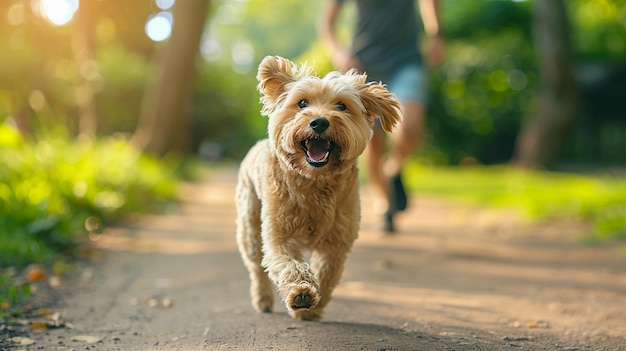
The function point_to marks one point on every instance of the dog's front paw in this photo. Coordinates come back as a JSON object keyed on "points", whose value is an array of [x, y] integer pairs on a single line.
{"points": [[302, 296]]}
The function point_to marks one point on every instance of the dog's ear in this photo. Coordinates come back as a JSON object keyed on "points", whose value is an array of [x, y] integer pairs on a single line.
{"points": [[274, 73], [379, 102]]}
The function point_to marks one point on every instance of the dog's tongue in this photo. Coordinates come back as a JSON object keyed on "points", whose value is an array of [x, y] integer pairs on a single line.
{"points": [[318, 149]]}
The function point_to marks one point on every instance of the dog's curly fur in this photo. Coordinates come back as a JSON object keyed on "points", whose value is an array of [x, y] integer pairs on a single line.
{"points": [[298, 190]]}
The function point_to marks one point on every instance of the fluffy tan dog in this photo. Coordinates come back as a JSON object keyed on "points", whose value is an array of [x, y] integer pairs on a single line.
{"points": [[298, 190]]}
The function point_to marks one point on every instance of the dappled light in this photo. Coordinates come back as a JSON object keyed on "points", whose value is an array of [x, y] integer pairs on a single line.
{"points": [[159, 26], [122, 124], [243, 57], [165, 4], [58, 12]]}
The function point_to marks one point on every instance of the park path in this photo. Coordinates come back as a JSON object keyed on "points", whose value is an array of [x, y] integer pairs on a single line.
{"points": [[453, 278]]}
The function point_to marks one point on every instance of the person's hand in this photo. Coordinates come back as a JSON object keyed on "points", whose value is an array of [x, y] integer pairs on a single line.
{"points": [[344, 61], [435, 50]]}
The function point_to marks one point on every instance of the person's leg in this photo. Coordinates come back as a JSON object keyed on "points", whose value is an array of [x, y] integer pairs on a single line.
{"points": [[408, 86], [407, 138], [375, 158]]}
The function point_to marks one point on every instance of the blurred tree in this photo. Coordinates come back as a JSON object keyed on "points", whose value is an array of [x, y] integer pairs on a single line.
{"points": [[83, 47], [478, 98], [94, 65], [164, 123], [545, 133]]}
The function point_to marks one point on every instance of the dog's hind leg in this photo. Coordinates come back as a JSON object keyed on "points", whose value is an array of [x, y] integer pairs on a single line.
{"points": [[249, 242]]}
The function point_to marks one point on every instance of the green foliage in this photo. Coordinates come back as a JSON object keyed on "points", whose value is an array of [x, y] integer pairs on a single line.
{"points": [[226, 110], [468, 19], [599, 31], [12, 296], [124, 75], [539, 195], [53, 189], [478, 97], [256, 22], [480, 94]]}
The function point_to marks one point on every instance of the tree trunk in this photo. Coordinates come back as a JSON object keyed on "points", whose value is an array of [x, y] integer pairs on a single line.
{"points": [[543, 136], [83, 48], [164, 122]]}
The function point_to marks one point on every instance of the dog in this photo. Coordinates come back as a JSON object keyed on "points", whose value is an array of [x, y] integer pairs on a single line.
{"points": [[298, 190]]}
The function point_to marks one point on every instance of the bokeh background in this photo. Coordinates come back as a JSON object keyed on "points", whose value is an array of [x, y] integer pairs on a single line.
{"points": [[98, 67], [102, 101]]}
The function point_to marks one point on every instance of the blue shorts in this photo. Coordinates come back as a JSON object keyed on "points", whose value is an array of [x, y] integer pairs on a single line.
{"points": [[408, 84]]}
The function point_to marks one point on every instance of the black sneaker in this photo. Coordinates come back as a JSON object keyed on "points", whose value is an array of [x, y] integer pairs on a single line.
{"points": [[398, 199], [388, 226]]}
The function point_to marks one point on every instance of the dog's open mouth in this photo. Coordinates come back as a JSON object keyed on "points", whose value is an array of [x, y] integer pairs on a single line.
{"points": [[317, 151]]}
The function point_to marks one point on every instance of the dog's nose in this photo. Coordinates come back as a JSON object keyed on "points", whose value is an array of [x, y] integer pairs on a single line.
{"points": [[319, 124]]}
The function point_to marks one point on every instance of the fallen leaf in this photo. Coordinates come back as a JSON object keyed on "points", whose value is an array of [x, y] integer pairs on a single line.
{"points": [[35, 273], [86, 339], [167, 302], [55, 281], [153, 302], [22, 341], [515, 324], [537, 324], [46, 320]]}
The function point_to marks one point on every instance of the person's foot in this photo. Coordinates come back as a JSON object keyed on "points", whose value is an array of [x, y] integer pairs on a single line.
{"points": [[388, 226], [397, 202], [397, 194]]}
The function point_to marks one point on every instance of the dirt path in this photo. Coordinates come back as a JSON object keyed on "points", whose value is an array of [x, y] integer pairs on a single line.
{"points": [[453, 278]]}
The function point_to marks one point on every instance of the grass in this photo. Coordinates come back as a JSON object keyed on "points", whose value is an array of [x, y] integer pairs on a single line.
{"points": [[538, 195]]}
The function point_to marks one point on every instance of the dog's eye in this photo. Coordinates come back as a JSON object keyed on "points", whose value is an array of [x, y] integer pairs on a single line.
{"points": [[341, 106], [303, 103]]}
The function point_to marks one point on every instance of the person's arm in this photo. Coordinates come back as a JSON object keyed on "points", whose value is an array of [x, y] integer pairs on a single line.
{"points": [[341, 57], [430, 11]]}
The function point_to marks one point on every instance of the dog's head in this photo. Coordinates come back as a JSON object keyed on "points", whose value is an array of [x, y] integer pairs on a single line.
{"points": [[319, 126]]}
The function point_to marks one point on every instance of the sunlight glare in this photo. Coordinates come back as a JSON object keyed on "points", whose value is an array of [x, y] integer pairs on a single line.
{"points": [[165, 4], [211, 49], [16, 14], [58, 12], [159, 27], [242, 56]]}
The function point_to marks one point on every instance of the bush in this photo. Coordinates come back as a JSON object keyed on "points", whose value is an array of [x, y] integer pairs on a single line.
{"points": [[53, 189]]}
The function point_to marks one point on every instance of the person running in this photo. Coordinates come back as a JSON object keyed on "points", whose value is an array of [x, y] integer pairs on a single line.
{"points": [[385, 46]]}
